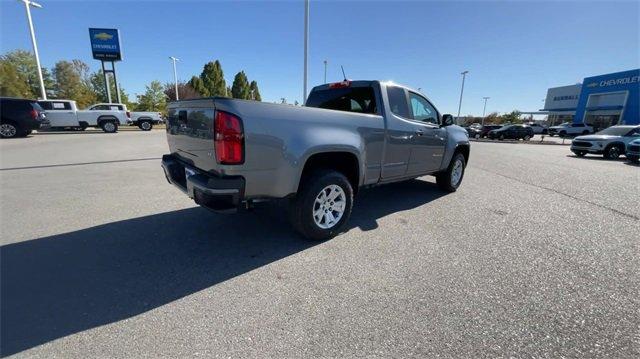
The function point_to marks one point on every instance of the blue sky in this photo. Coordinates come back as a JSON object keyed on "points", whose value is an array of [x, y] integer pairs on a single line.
{"points": [[513, 50]]}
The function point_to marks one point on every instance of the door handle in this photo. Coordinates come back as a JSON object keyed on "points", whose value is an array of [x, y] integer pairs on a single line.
{"points": [[419, 132]]}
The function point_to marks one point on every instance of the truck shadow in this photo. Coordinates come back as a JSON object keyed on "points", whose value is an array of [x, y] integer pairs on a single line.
{"points": [[63, 284]]}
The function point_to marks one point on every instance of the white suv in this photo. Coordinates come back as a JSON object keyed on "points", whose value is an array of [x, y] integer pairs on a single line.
{"points": [[570, 129], [610, 142]]}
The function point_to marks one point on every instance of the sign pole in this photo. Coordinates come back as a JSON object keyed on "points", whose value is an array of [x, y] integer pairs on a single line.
{"points": [[115, 81], [106, 82]]}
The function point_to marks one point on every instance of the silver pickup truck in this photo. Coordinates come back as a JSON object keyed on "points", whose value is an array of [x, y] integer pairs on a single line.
{"points": [[227, 153]]}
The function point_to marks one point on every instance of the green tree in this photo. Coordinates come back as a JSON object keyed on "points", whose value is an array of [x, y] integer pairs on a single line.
{"points": [[153, 99], [229, 91], [255, 92], [511, 117], [213, 79], [184, 89], [11, 83], [240, 88], [72, 81], [198, 85], [25, 65], [97, 86]]}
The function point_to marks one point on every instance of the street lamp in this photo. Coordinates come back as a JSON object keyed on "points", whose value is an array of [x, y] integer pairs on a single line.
{"points": [[27, 4], [464, 75], [485, 108], [306, 49], [325, 71], [175, 75]]}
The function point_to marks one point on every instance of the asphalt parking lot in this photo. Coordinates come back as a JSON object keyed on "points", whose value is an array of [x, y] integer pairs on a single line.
{"points": [[535, 256]]}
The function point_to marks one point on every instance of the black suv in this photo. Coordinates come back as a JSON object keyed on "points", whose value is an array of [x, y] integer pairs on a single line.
{"points": [[514, 132], [20, 117]]}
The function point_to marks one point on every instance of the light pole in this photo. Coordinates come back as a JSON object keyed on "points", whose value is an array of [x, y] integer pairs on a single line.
{"points": [[27, 4], [175, 75], [464, 75], [306, 48], [325, 71], [485, 108]]}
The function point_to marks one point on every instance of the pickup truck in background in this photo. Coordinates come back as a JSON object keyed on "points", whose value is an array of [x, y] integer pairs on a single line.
{"points": [[144, 120], [65, 114], [226, 153]]}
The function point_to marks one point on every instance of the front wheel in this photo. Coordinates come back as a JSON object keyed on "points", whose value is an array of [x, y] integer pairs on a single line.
{"points": [[323, 205], [109, 126], [450, 179]]}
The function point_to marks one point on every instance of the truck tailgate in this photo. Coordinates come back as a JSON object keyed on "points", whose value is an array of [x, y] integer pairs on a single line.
{"points": [[190, 132]]}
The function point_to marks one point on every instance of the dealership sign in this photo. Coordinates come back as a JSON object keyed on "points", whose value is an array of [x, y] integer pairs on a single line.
{"points": [[613, 82], [105, 44]]}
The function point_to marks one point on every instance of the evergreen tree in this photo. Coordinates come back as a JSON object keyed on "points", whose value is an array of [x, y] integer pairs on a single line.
{"points": [[240, 88], [213, 79], [229, 91], [255, 92], [198, 85]]}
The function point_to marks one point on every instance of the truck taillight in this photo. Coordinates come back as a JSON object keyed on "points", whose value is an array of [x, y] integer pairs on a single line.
{"points": [[228, 137], [34, 114], [339, 85]]}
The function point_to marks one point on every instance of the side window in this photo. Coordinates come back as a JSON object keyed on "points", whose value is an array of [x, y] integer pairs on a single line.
{"points": [[398, 101], [100, 107], [422, 110], [46, 105], [60, 106]]}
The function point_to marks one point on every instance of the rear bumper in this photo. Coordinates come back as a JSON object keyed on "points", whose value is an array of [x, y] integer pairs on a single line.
{"points": [[218, 193]]}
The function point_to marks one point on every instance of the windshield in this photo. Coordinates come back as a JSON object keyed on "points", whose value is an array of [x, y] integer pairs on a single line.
{"points": [[614, 131]]}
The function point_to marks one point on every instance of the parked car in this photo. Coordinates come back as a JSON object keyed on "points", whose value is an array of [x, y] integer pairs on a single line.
{"points": [[514, 132], [633, 151], [538, 129], [65, 114], [20, 117], [610, 142], [473, 132], [484, 131], [144, 120], [570, 129], [228, 152]]}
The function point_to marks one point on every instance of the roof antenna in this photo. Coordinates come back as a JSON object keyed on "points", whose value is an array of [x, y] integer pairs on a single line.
{"points": [[345, 76]]}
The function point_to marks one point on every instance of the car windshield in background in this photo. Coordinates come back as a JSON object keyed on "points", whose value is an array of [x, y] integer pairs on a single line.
{"points": [[351, 99], [615, 131]]}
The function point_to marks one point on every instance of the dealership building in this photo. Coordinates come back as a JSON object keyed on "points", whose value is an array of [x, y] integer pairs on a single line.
{"points": [[600, 101]]}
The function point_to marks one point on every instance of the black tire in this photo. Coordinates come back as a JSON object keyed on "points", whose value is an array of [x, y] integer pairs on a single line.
{"points": [[562, 134], [10, 130], [109, 126], [303, 205], [445, 180], [580, 153], [613, 152], [544, 132], [501, 138], [145, 125]]}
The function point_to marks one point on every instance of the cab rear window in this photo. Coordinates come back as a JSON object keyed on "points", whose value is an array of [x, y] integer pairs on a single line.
{"points": [[351, 99]]}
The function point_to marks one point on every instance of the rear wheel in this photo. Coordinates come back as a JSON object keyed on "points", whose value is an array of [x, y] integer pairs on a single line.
{"points": [[562, 134], [323, 205], [145, 125], [450, 179], [501, 137], [109, 126], [8, 130]]}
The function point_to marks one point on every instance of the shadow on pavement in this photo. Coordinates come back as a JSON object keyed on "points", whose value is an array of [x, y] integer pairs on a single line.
{"points": [[55, 286]]}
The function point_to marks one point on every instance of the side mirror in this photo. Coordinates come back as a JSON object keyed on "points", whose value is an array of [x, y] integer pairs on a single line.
{"points": [[447, 120]]}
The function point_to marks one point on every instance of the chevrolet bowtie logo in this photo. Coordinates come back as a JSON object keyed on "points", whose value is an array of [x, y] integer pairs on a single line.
{"points": [[593, 84], [103, 36]]}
